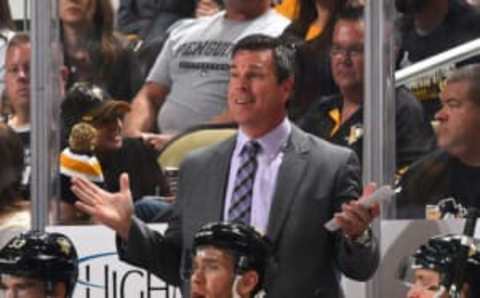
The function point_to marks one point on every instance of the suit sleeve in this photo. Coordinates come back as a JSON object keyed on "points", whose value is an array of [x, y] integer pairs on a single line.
{"points": [[152, 251], [160, 254], [356, 261]]}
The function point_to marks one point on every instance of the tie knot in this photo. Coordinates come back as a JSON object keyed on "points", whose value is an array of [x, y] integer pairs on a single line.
{"points": [[251, 148]]}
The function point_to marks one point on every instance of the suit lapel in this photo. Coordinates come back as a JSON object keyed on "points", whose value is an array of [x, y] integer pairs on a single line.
{"points": [[290, 176], [218, 171]]}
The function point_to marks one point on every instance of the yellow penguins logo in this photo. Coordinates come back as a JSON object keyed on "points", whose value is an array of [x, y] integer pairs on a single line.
{"points": [[65, 246], [356, 132]]}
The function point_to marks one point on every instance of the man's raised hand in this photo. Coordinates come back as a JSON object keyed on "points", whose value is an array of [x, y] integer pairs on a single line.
{"points": [[111, 209]]}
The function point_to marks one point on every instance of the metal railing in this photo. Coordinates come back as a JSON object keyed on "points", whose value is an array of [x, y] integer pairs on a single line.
{"points": [[454, 55]]}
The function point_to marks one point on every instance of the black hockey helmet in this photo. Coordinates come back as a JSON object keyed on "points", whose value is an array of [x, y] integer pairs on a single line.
{"points": [[50, 257], [439, 254], [250, 249]]}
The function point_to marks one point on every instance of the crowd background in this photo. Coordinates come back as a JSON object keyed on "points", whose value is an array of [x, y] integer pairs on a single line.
{"points": [[112, 46]]}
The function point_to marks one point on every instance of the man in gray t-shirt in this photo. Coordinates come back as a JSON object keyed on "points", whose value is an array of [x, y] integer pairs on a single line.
{"points": [[188, 82]]}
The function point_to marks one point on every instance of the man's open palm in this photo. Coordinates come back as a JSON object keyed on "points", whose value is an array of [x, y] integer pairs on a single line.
{"points": [[111, 209]]}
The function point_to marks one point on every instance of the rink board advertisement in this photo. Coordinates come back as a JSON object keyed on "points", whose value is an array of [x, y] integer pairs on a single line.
{"points": [[103, 275]]}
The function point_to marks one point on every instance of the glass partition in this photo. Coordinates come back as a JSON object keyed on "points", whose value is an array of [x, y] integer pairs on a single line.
{"points": [[85, 76], [424, 161], [431, 48]]}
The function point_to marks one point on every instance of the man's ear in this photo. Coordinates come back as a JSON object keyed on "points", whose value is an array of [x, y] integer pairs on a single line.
{"points": [[247, 283], [60, 290], [288, 86]]}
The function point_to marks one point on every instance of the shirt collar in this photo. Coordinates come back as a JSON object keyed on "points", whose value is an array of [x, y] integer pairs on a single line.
{"points": [[272, 142]]}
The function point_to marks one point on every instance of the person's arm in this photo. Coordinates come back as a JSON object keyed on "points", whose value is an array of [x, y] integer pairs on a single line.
{"points": [[355, 260], [140, 245], [145, 107]]}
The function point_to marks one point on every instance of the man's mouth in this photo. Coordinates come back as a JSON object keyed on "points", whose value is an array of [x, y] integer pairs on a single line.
{"points": [[244, 100]]}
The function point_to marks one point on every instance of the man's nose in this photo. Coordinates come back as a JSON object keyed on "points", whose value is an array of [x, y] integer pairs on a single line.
{"points": [[441, 115], [197, 276], [413, 293], [23, 73]]}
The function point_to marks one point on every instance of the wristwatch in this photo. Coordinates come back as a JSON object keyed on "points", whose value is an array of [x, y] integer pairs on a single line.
{"points": [[365, 239]]}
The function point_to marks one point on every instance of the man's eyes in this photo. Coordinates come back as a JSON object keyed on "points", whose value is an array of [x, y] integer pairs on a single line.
{"points": [[206, 267], [248, 75]]}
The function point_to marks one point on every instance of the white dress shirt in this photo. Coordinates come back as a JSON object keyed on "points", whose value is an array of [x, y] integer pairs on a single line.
{"points": [[269, 160]]}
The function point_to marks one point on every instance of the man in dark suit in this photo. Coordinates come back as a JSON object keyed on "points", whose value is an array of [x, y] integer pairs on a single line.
{"points": [[298, 183]]}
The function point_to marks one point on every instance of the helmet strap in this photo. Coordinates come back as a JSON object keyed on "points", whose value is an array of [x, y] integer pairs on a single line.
{"points": [[49, 289], [440, 292], [236, 280]]}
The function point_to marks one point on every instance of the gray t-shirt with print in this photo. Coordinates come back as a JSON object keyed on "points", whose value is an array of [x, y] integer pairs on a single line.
{"points": [[194, 64]]}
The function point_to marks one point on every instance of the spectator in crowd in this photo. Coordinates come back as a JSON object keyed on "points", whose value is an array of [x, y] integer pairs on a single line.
{"points": [[433, 266], [17, 91], [93, 52], [287, 189], [147, 50], [14, 211], [431, 27], [339, 118], [229, 260], [89, 103], [311, 31], [206, 8], [452, 171], [314, 18], [188, 83], [150, 19], [6, 33], [40, 265]]}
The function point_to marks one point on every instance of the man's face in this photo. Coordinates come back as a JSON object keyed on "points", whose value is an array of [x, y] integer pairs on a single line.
{"points": [[255, 98], [77, 11], [21, 287], [17, 76], [426, 284], [458, 119], [213, 273], [347, 55]]}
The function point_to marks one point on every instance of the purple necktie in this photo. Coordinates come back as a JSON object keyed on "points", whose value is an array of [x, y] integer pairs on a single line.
{"points": [[241, 204]]}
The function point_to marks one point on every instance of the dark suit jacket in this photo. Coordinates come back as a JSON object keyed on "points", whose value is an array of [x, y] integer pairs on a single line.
{"points": [[314, 179]]}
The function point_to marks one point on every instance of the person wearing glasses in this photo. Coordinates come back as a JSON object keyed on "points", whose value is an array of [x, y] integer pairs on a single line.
{"points": [[339, 118]]}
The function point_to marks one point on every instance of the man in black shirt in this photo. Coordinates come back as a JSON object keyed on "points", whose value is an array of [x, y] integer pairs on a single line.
{"points": [[453, 171], [339, 118]]}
